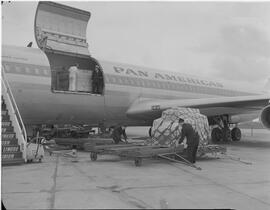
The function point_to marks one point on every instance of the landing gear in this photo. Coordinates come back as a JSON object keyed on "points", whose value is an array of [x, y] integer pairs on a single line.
{"points": [[138, 161], [236, 134], [150, 132], [226, 134], [216, 135], [223, 131], [93, 156]]}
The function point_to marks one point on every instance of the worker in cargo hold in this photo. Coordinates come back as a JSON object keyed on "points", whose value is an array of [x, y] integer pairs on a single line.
{"points": [[192, 140], [73, 70], [97, 80], [119, 131]]}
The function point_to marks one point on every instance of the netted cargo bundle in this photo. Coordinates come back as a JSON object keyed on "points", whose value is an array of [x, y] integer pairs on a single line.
{"points": [[167, 131], [164, 132]]}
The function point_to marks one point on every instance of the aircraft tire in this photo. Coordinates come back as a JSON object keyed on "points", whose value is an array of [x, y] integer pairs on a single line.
{"points": [[216, 135], [138, 161], [150, 132], [236, 134], [226, 134], [93, 156]]}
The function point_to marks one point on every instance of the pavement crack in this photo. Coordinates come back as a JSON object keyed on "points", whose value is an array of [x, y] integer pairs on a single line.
{"points": [[124, 196], [53, 189]]}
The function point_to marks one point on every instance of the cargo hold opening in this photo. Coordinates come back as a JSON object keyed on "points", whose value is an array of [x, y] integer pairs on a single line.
{"points": [[60, 32], [74, 74]]}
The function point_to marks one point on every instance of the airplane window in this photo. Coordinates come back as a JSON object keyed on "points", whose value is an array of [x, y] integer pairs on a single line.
{"points": [[195, 88], [27, 70], [169, 85], [123, 80], [156, 84], [152, 85], [146, 83], [132, 81], [113, 79], [137, 81], [45, 71], [7, 67], [106, 79], [117, 80], [184, 87], [37, 71], [203, 89], [141, 82], [128, 80], [174, 86], [17, 69]]}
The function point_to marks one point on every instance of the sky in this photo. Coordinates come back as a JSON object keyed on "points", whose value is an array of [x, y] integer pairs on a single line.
{"points": [[227, 40]]}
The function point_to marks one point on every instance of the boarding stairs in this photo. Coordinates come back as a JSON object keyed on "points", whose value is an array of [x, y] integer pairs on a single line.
{"points": [[13, 133]]}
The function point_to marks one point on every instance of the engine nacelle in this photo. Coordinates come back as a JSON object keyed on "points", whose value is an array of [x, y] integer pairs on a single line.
{"points": [[265, 117], [239, 118]]}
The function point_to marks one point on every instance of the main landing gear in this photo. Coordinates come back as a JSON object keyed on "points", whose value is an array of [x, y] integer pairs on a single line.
{"points": [[223, 131]]}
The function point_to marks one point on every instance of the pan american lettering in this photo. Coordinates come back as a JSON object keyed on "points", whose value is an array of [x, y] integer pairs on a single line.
{"points": [[169, 77]]}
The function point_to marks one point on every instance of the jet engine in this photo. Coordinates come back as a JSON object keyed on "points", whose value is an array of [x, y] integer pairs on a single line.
{"points": [[265, 117]]}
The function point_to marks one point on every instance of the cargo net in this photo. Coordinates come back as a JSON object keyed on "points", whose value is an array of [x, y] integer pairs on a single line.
{"points": [[167, 131]]}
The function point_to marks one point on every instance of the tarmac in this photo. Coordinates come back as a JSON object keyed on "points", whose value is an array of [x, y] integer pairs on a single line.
{"points": [[111, 182]]}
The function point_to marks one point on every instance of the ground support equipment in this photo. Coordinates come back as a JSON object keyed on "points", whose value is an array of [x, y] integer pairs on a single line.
{"points": [[139, 152], [34, 149], [80, 143]]}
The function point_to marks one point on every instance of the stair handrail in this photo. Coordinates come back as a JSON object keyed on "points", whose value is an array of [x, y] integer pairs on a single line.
{"points": [[10, 100]]}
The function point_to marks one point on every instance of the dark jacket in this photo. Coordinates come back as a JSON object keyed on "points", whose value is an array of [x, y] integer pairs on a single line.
{"points": [[118, 131], [97, 76], [191, 135]]}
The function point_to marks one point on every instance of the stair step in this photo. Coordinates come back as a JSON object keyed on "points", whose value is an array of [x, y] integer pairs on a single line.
{"points": [[5, 118], [10, 148], [3, 106], [11, 155], [4, 112], [9, 142], [15, 161], [8, 129], [6, 136], [6, 123]]}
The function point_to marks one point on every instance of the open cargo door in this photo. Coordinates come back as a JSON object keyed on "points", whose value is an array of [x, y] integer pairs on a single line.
{"points": [[60, 31]]}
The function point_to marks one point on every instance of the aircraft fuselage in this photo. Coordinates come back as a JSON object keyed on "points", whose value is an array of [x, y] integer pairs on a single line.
{"points": [[29, 75]]}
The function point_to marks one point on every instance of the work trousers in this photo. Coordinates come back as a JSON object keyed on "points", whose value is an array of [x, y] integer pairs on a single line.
{"points": [[116, 138], [95, 87], [192, 152]]}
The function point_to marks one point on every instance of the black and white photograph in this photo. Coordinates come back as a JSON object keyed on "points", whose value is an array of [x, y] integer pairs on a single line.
{"points": [[135, 105]]}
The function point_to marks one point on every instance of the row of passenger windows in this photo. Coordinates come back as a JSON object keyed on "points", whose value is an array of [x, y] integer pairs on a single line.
{"points": [[139, 82], [26, 69], [131, 81]]}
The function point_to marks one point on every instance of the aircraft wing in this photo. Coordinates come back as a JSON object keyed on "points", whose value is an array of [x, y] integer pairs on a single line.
{"points": [[150, 109]]}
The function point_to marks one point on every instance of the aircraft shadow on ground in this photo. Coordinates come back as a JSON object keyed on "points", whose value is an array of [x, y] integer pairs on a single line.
{"points": [[264, 144]]}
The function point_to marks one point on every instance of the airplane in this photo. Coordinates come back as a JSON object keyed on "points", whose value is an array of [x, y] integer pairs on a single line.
{"points": [[131, 95]]}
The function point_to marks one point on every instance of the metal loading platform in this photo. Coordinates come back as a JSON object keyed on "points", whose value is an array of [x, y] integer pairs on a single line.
{"points": [[139, 152]]}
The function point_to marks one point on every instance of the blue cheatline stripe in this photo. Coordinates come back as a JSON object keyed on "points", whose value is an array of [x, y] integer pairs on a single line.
{"points": [[44, 71]]}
